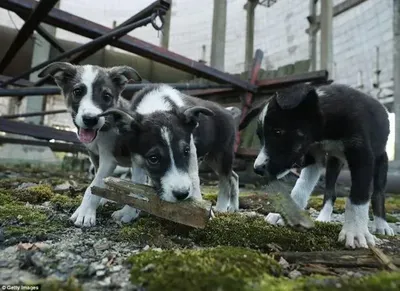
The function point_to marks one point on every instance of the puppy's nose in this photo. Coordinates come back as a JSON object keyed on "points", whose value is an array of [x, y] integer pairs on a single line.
{"points": [[260, 169], [181, 195], [90, 121]]}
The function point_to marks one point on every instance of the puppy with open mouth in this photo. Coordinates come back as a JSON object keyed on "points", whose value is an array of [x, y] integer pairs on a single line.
{"points": [[302, 126], [89, 91]]}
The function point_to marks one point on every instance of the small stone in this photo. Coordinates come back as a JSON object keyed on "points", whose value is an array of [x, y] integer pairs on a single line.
{"points": [[19, 217], [105, 282], [3, 264], [100, 273], [157, 249], [283, 263], [146, 248], [102, 245], [104, 261], [294, 274], [116, 268]]}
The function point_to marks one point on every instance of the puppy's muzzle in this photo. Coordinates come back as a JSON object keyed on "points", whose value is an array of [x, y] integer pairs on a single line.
{"points": [[90, 121]]}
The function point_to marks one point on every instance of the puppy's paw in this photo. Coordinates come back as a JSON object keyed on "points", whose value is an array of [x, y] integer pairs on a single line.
{"points": [[221, 207], [323, 217], [275, 219], [84, 216], [126, 214], [382, 227], [356, 237]]}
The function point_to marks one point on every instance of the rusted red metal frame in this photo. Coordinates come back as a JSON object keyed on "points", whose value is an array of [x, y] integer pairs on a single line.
{"points": [[37, 131], [128, 43], [40, 11], [247, 99]]}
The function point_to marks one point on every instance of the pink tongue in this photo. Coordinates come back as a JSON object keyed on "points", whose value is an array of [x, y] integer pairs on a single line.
{"points": [[86, 135]]}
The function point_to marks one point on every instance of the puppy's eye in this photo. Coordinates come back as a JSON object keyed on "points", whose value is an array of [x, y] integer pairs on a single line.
{"points": [[278, 132], [107, 97], [77, 92], [186, 151], [153, 160]]}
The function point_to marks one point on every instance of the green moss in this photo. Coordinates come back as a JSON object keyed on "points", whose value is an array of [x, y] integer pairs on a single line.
{"points": [[5, 196], [54, 285], [154, 231], [254, 232], [221, 268], [65, 202], [391, 218], [36, 194], [21, 222], [232, 230], [380, 281]]}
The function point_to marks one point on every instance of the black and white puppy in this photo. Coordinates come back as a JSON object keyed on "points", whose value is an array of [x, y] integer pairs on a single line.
{"points": [[88, 91], [168, 131], [301, 126]]}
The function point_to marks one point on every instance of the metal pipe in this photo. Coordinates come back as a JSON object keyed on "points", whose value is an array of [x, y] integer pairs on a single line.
{"points": [[89, 29], [54, 90], [159, 4], [41, 113], [41, 10], [117, 33]]}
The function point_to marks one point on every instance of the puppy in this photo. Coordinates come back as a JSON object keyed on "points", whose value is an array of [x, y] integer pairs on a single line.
{"points": [[168, 131], [89, 91], [302, 125]]}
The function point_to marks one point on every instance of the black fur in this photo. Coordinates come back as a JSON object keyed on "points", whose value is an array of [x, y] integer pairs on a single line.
{"points": [[213, 128], [298, 123]]}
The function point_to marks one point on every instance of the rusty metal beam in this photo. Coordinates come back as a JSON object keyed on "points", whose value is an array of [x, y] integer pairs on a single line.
{"points": [[128, 43], [247, 99], [50, 39], [317, 77], [38, 13], [20, 82], [159, 4], [55, 146], [37, 131]]}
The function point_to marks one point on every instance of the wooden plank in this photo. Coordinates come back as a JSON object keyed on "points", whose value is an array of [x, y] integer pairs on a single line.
{"points": [[188, 212]]}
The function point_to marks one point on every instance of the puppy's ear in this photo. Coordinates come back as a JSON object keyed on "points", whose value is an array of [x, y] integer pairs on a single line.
{"points": [[61, 72], [123, 120], [254, 111], [297, 95], [120, 76], [190, 115]]}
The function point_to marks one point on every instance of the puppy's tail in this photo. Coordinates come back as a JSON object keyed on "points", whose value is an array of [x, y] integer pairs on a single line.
{"points": [[236, 113]]}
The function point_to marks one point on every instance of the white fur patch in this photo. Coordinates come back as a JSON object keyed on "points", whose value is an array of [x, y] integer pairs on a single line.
{"points": [[194, 171], [86, 105], [305, 184], [382, 227], [126, 214], [261, 159], [326, 212], [174, 179], [263, 114], [355, 231], [154, 100], [320, 92]]}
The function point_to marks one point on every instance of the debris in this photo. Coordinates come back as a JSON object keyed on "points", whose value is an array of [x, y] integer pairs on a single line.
{"points": [[279, 195], [294, 274]]}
